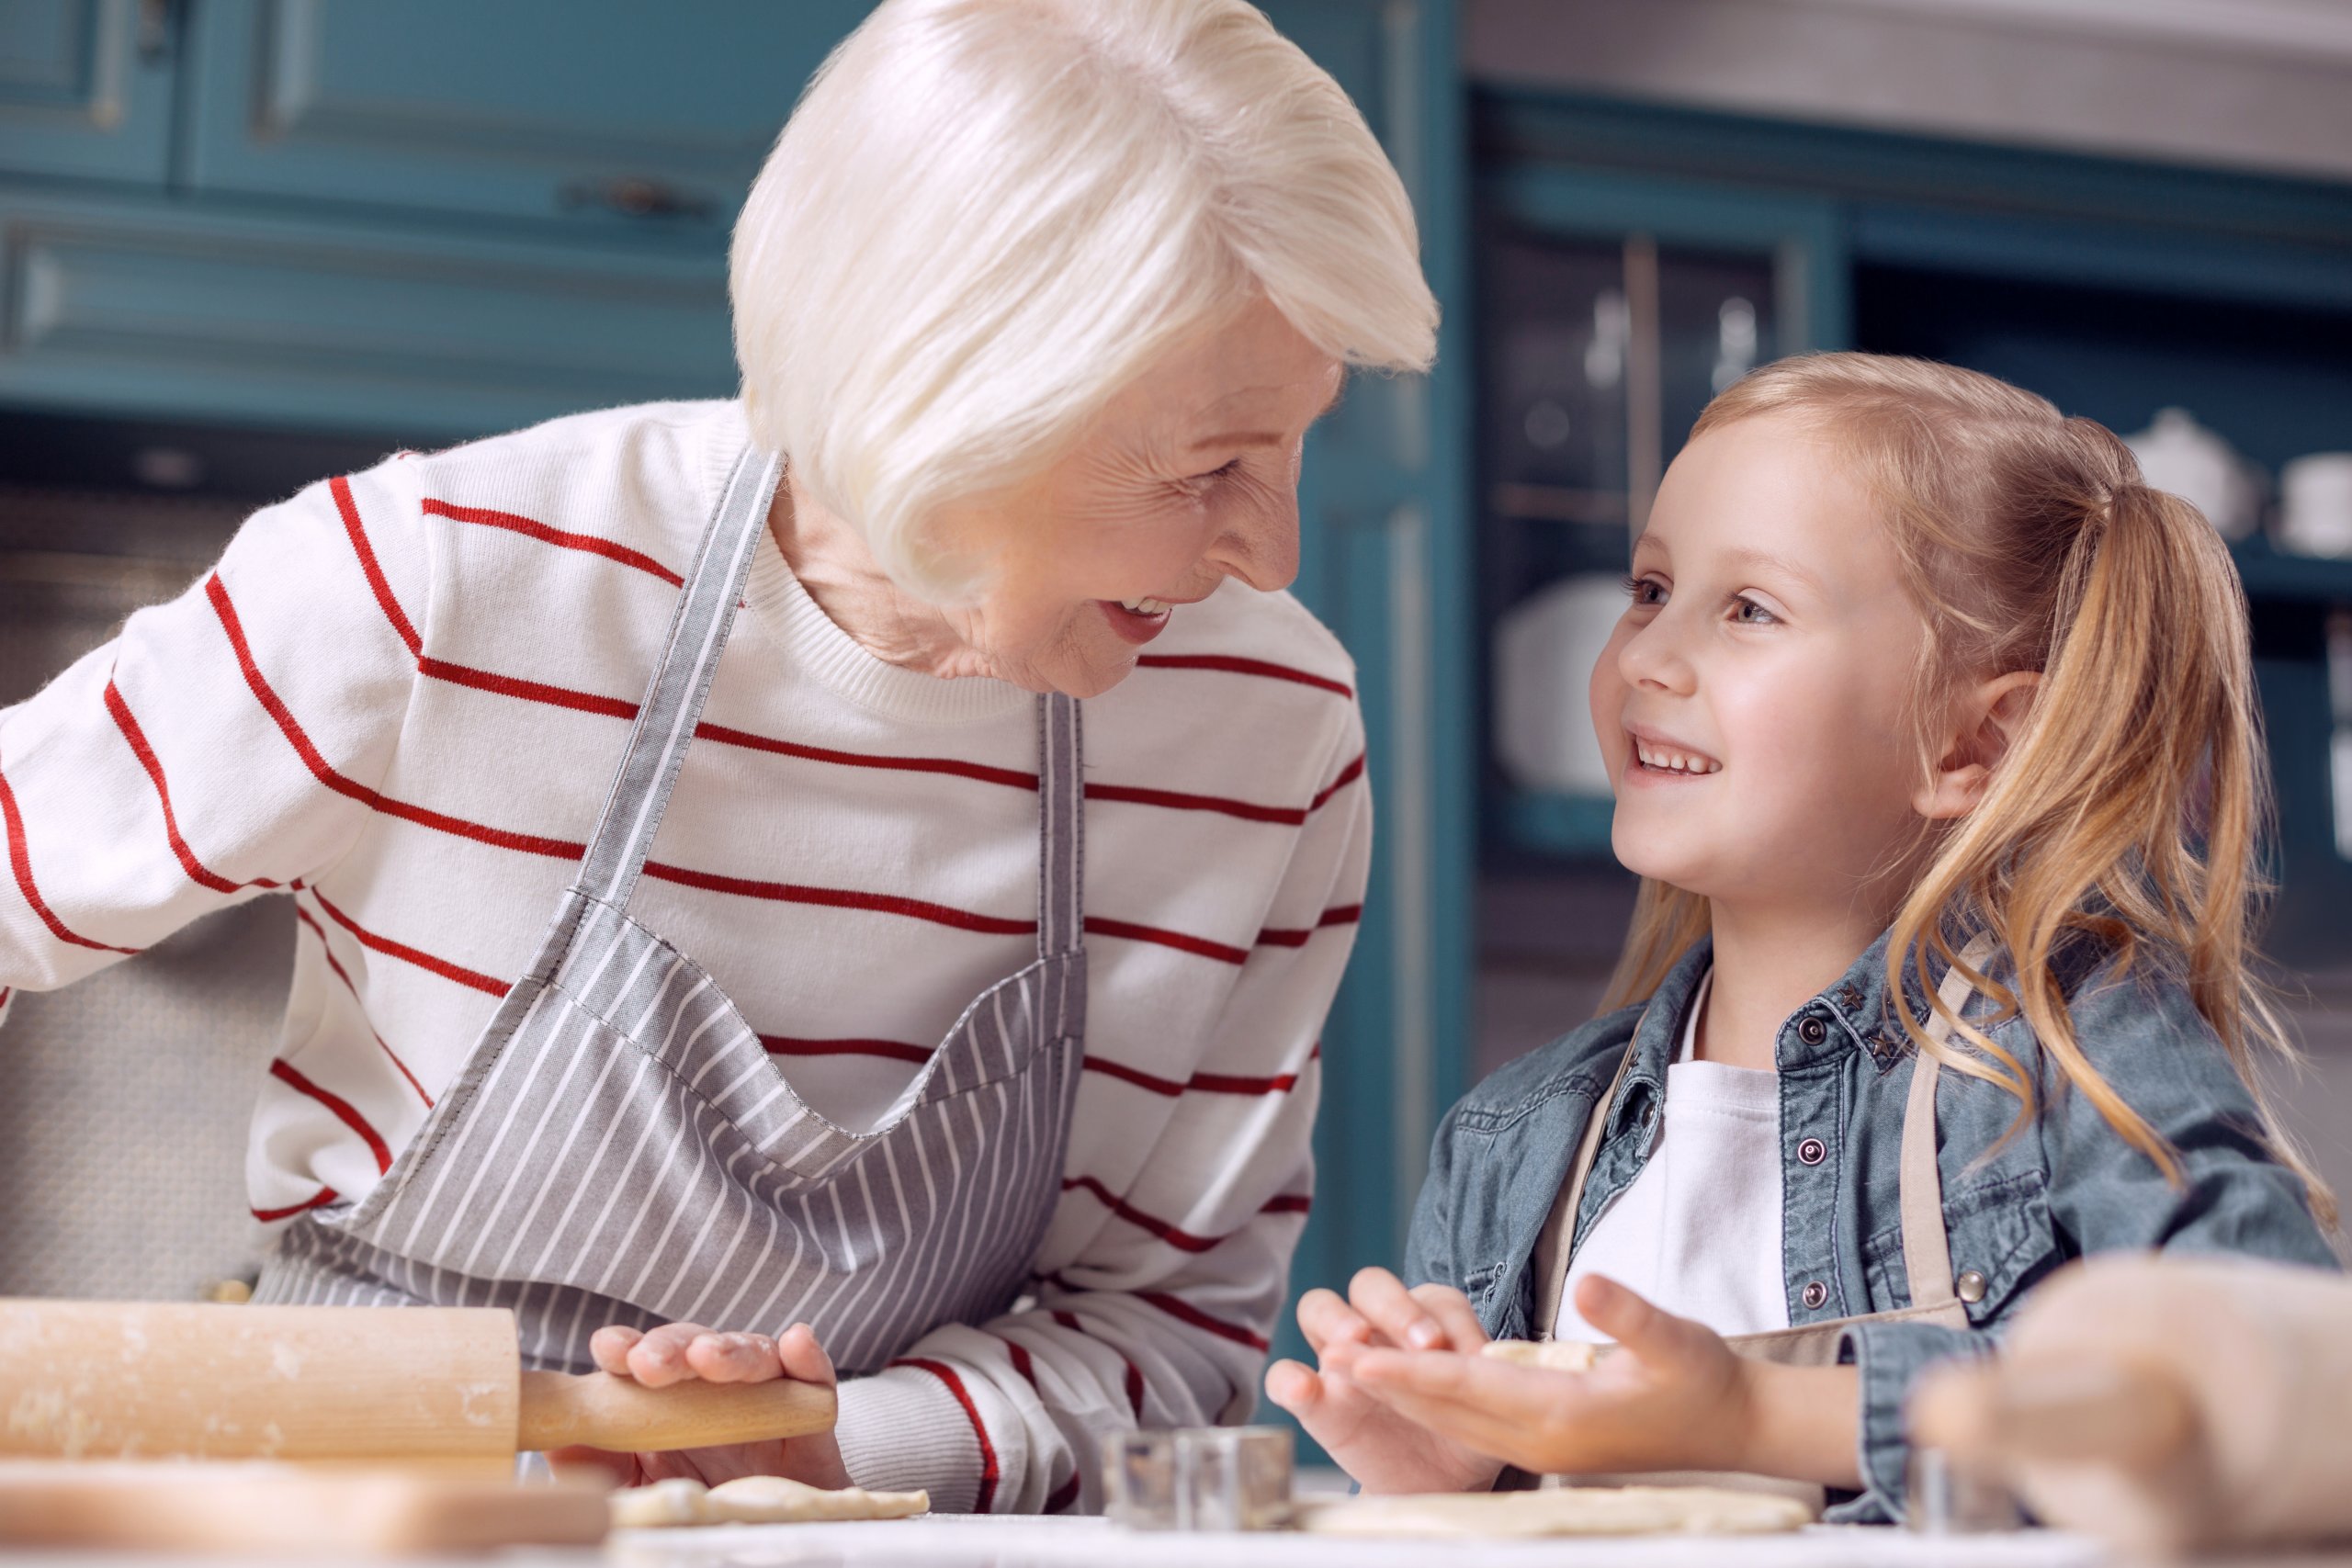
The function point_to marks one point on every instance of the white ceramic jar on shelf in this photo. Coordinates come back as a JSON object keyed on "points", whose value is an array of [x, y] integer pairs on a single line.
{"points": [[2315, 504], [2179, 455]]}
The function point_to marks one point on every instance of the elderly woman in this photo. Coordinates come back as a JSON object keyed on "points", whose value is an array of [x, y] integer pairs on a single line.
{"points": [[722, 943]]}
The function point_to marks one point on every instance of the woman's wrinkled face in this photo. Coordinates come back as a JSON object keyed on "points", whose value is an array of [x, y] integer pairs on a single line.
{"points": [[1190, 475], [1754, 700]]}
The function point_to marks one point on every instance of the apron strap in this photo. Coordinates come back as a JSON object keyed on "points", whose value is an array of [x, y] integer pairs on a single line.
{"points": [[1926, 1251], [1061, 827], [1553, 1284], [674, 700]]}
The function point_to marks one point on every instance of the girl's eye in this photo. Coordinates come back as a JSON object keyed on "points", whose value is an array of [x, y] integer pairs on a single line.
{"points": [[1648, 593], [1748, 613]]}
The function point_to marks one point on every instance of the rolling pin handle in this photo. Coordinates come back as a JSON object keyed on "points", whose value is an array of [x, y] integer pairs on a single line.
{"points": [[599, 1410]]}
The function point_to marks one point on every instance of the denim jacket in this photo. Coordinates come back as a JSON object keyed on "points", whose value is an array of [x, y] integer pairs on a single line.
{"points": [[2066, 1184]]}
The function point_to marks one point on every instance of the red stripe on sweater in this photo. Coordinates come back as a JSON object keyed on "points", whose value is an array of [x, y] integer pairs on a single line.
{"points": [[1134, 1390], [1232, 666], [1200, 947], [1183, 1311], [1347, 775], [948, 765], [1063, 1495], [371, 567], [471, 978], [545, 535], [1182, 1239], [1289, 1203], [271, 1216], [889, 1050], [344, 1112], [841, 898], [337, 965], [1344, 915], [528, 690], [1174, 800], [202, 876], [947, 1374], [20, 859], [1022, 1362], [326, 773]]}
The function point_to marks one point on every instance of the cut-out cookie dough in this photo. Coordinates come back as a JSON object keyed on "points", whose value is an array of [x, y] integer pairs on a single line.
{"points": [[1596, 1510], [755, 1500], [1552, 1355]]}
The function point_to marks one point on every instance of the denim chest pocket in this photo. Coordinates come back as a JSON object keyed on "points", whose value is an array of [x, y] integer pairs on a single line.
{"points": [[1999, 1230]]}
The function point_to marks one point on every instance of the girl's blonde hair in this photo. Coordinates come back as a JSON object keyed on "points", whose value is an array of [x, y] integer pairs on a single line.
{"points": [[2130, 808], [986, 216]]}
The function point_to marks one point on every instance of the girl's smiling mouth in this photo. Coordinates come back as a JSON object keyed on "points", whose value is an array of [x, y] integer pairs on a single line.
{"points": [[1655, 756]]}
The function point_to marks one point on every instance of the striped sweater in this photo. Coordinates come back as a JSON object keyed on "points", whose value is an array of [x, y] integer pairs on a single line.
{"points": [[398, 701]]}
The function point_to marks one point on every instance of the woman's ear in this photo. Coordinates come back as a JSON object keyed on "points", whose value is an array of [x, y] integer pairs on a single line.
{"points": [[1987, 720]]}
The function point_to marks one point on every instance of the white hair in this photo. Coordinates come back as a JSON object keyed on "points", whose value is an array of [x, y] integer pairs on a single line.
{"points": [[986, 217]]}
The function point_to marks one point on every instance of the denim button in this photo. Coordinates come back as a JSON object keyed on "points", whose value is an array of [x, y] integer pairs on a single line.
{"points": [[1815, 1294], [1969, 1287], [1813, 1151], [1813, 1031]]}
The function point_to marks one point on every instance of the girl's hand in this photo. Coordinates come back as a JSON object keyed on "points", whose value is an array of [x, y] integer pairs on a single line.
{"points": [[678, 1351], [1674, 1397], [1382, 1450]]}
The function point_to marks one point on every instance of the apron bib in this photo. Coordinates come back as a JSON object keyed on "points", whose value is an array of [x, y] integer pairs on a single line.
{"points": [[1926, 1251], [620, 1149]]}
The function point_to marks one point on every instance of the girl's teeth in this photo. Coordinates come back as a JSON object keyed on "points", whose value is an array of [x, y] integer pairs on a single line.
{"points": [[1675, 762], [1145, 606]]}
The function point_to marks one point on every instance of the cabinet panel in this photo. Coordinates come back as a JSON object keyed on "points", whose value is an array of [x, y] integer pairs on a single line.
{"points": [[84, 89], [145, 310], [600, 112]]}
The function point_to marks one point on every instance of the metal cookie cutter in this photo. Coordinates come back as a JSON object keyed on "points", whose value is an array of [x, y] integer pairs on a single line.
{"points": [[1199, 1478]]}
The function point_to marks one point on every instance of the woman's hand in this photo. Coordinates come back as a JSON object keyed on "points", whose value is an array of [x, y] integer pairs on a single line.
{"points": [[1675, 1397], [679, 1351], [1384, 1449]]}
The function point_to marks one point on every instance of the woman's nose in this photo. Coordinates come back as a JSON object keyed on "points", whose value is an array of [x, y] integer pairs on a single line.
{"points": [[1260, 547]]}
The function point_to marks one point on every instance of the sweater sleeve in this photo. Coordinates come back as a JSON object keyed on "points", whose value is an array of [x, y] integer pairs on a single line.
{"points": [[222, 745], [1010, 1416]]}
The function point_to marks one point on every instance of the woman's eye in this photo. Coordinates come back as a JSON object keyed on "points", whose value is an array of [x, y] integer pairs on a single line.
{"points": [[1202, 481], [1748, 613], [1647, 592]]}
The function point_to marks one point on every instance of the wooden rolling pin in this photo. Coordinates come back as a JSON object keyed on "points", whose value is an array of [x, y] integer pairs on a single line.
{"points": [[111, 1379]]}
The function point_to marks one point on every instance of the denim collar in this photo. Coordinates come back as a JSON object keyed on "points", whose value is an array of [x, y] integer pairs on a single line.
{"points": [[1852, 1013]]}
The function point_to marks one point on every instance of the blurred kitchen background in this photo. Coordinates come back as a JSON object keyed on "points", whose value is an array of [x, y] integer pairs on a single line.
{"points": [[245, 243]]}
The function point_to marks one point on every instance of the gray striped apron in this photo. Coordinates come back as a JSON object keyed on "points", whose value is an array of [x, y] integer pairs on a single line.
{"points": [[619, 1148]]}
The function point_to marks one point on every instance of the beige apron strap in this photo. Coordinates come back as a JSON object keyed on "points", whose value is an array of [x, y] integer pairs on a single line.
{"points": [[1560, 1228], [1926, 1251]]}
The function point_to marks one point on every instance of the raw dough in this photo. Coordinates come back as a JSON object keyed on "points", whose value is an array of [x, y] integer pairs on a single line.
{"points": [[755, 1500], [1552, 1355], [774, 1500], [658, 1507], [1573, 1510]]}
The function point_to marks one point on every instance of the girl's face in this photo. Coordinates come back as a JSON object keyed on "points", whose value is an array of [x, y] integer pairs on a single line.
{"points": [[1753, 701]]}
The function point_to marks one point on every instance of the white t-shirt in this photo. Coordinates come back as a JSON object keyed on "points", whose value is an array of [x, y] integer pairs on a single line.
{"points": [[1698, 1232]]}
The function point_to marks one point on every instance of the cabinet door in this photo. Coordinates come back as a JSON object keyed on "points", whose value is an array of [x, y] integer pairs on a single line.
{"points": [[602, 112], [84, 88]]}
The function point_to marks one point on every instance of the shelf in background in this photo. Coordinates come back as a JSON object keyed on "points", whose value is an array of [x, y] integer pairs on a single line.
{"points": [[1572, 826], [2269, 572]]}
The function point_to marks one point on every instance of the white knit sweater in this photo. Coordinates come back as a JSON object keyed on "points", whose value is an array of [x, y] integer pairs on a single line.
{"points": [[400, 699]]}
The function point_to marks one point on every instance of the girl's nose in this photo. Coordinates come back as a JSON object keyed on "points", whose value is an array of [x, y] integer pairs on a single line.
{"points": [[1653, 657]]}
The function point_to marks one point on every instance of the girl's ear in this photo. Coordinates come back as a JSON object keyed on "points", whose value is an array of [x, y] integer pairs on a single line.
{"points": [[1989, 719]]}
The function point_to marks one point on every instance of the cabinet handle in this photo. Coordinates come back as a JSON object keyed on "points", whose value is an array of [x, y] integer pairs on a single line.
{"points": [[158, 30], [634, 197]]}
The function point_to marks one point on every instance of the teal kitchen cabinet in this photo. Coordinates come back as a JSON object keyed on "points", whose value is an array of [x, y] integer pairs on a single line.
{"points": [[593, 113], [86, 89]]}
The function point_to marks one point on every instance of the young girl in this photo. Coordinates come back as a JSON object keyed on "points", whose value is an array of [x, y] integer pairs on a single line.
{"points": [[1936, 746]]}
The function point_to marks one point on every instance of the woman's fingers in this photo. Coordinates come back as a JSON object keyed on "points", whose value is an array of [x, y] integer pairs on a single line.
{"points": [[733, 1358], [1327, 1320], [1384, 1301], [802, 1358], [659, 1357], [610, 1346]]}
